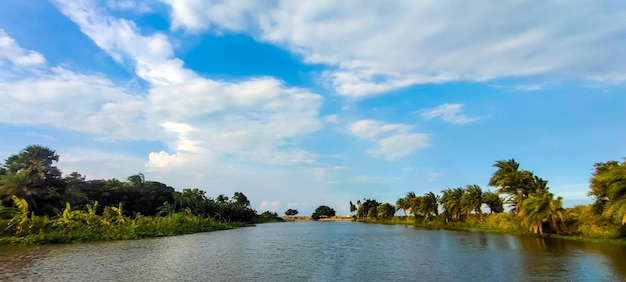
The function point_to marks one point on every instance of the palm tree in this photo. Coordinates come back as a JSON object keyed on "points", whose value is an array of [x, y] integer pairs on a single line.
{"points": [[536, 185], [430, 205], [451, 202], [401, 204], [412, 202], [543, 208], [19, 185], [37, 160], [473, 199], [502, 178], [599, 188], [509, 180], [614, 182]]}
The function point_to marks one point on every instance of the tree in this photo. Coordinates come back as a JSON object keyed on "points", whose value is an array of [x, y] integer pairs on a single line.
{"points": [[599, 187], [291, 212], [367, 208], [451, 202], [352, 208], [473, 199], [511, 181], [430, 205], [136, 181], [322, 212], [543, 208], [221, 198], [402, 204], [75, 187], [241, 199], [44, 181], [37, 160], [268, 216], [413, 203], [493, 202], [194, 199], [608, 184], [17, 184], [385, 210]]}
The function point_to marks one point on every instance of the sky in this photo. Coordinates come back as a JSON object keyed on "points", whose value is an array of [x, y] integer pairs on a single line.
{"points": [[305, 103]]}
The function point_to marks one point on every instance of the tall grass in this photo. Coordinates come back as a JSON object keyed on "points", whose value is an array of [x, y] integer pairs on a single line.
{"points": [[77, 225]]}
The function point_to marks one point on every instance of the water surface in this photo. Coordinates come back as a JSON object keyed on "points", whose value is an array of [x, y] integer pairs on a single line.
{"points": [[320, 251]]}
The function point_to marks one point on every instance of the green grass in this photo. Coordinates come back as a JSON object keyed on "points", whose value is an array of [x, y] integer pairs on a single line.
{"points": [[496, 223]]}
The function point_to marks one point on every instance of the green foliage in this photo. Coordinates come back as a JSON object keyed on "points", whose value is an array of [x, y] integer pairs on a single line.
{"points": [[385, 211], [323, 212], [78, 225], [535, 209], [452, 204], [291, 212], [367, 209], [512, 182], [608, 185], [268, 216], [429, 205], [493, 202], [240, 199], [31, 175], [32, 189], [543, 208]]}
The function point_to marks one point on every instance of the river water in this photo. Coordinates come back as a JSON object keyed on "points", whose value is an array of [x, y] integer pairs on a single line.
{"points": [[320, 251]]}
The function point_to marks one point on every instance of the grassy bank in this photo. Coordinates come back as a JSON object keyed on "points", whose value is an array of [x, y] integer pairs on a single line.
{"points": [[76, 226], [502, 223]]}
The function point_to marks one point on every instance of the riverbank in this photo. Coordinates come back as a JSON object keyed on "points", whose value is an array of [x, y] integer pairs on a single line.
{"points": [[308, 218], [42, 230], [485, 225]]}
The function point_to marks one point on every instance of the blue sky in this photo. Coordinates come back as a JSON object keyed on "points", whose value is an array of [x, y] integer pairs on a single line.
{"points": [[303, 103]]}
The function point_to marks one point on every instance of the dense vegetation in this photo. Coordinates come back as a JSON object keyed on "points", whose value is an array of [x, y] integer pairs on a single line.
{"points": [[38, 204], [533, 209]]}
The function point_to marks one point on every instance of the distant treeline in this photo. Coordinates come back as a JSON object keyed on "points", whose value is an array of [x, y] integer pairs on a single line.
{"points": [[533, 208], [32, 187]]}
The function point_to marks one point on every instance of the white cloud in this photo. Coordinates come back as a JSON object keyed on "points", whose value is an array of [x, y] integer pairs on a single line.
{"points": [[120, 38], [375, 46], [141, 6], [393, 141], [331, 119], [400, 145], [12, 52], [269, 206], [521, 87], [202, 120], [98, 106], [371, 129], [448, 113], [252, 119]]}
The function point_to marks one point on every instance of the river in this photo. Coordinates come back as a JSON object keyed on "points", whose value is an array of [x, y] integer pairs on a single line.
{"points": [[320, 251]]}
